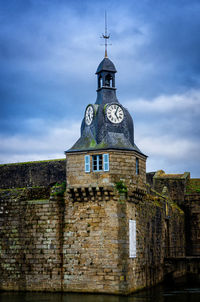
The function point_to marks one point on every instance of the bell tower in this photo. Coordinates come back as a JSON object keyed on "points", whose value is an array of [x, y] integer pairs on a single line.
{"points": [[103, 158], [106, 82], [106, 75], [107, 139], [106, 151]]}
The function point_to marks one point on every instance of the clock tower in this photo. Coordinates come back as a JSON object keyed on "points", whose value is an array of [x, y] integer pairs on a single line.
{"points": [[106, 177], [106, 150]]}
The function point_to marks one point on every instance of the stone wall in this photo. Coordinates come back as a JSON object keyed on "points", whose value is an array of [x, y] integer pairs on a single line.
{"points": [[186, 192], [47, 243], [122, 166], [91, 247], [192, 209], [30, 174], [80, 242], [97, 241], [149, 178], [156, 240], [30, 240], [175, 183]]}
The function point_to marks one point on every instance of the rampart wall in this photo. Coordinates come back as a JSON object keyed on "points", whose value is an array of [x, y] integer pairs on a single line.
{"points": [[192, 210], [32, 174], [175, 183], [78, 240], [51, 242], [30, 240], [185, 192]]}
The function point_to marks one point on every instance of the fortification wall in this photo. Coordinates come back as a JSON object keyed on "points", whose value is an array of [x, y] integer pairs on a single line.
{"points": [[30, 240], [192, 206], [175, 183], [47, 243], [30, 174], [158, 237], [96, 241], [186, 192]]}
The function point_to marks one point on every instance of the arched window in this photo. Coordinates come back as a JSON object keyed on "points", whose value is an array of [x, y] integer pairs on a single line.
{"points": [[100, 82], [108, 80]]}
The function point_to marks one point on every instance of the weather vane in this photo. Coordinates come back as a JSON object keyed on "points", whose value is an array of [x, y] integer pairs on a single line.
{"points": [[106, 36]]}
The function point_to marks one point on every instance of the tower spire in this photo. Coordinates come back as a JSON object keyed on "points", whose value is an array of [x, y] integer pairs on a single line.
{"points": [[106, 36]]}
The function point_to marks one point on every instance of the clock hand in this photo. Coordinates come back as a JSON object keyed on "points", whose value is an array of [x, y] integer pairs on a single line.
{"points": [[116, 112]]}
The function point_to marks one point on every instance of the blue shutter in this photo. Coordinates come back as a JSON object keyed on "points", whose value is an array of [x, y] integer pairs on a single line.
{"points": [[106, 162], [87, 163]]}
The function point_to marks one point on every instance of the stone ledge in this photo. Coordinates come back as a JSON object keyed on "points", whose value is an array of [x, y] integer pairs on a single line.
{"points": [[90, 193]]}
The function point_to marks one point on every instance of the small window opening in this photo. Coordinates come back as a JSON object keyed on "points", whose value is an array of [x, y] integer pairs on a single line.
{"points": [[137, 166], [108, 80], [100, 162], [100, 82], [97, 162]]}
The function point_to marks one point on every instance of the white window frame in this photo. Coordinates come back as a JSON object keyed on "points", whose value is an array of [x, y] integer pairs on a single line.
{"points": [[105, 163], [98, 159]]}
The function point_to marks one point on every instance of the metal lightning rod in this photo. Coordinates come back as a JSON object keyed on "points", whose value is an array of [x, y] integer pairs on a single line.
{"points": [[106, 36]]}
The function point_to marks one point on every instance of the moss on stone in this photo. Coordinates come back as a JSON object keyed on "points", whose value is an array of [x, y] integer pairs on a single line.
{"points": [[121, 187], [102, 145], [104, 108], [21, 189], [92, 143], [59, 189], [176, 207], [33, 162], [193, 186], [157, 203], [38, 201]]}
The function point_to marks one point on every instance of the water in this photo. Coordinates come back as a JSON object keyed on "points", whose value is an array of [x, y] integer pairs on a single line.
{"points": [[178, 293]]}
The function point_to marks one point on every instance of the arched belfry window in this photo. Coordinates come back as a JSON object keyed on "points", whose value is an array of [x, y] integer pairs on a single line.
{"points": [[108, 80]]}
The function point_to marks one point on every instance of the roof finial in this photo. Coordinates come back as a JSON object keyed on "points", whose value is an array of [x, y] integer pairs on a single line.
{"points": [[106, 36]]}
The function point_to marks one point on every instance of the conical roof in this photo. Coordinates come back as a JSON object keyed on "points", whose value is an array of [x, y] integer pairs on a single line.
{"points": [[106, 65]]}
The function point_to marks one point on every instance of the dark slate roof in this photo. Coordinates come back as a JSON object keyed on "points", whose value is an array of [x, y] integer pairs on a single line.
{"points": [[106, 65], [115, 141]]}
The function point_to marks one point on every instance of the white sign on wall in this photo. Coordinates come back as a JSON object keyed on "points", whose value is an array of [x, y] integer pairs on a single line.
{"points": [[132, 238]]}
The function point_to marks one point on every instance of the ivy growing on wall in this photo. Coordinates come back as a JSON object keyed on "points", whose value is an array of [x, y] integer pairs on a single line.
{"points": [[59, 189], [121, 187]]}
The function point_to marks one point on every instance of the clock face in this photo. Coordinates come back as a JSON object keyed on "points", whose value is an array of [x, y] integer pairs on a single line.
{"points": [[89, 114], [115, 113]]}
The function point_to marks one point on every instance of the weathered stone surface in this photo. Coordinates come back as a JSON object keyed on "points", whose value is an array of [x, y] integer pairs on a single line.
{"points": [[122, 166], [48, 244], [30, 240], [99, 243], [175, 183], [192, 209], [30, 174], [80, 242]]}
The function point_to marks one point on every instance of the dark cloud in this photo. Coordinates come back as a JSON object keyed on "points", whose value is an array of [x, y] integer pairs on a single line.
{"points": [[49, 52]]}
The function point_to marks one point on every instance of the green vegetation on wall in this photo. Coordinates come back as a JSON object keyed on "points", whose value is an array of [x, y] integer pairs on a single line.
{"points": [[121, 187], [193, 186], [59, 189]]}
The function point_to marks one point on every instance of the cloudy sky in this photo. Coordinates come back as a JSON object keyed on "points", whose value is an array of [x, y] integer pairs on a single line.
{"points": [[49, 52]]}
